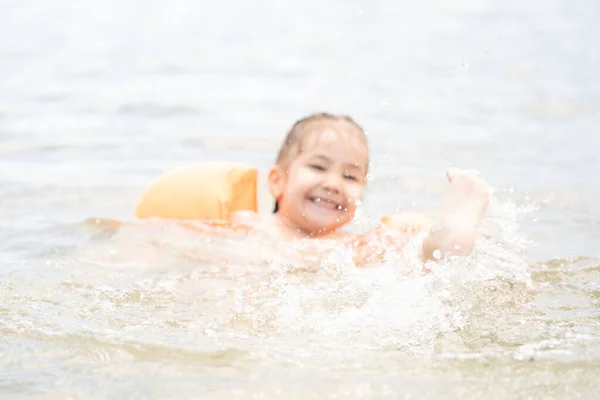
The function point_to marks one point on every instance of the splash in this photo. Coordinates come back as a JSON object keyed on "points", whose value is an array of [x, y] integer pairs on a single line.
{"points": [[394, 305], [311, 291]]}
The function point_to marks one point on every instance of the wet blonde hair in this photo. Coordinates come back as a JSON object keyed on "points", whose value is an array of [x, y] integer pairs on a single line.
{"points": [[292, 144]]}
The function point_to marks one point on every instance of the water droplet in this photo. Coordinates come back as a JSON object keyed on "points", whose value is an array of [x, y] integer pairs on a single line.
{"points": [[369, 177], [437, 254]]}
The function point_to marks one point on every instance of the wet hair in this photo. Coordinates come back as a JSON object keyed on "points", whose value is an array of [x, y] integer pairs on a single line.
{"points": [[292, 144]]}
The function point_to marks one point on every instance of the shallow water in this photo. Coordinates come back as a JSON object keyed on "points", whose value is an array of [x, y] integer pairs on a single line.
{"points": [[97, 100]]}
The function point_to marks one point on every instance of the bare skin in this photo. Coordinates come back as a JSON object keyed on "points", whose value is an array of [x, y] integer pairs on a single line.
{"points": [[453, 233], [462, 210]]}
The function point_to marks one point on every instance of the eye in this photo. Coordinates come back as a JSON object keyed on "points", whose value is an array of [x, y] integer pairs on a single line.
{"points": [[317, 167], [351, 177]]}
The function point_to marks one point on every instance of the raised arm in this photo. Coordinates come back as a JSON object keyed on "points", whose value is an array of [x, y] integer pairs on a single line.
{"points": [[464, 206]]}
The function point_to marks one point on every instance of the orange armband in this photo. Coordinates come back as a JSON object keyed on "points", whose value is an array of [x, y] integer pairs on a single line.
{"points": [[207, 191]]}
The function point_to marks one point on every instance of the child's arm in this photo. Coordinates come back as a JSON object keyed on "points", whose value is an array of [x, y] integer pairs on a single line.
{"points": [[463, 209]]}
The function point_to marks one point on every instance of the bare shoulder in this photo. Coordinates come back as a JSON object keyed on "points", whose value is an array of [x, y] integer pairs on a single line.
{"points": [[245, 217]]}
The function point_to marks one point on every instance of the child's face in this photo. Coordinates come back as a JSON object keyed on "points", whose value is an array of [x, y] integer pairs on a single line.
{"points": [[319, 191]]}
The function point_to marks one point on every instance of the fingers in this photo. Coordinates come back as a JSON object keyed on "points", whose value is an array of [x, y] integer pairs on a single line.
{"points": [[451, 173]]}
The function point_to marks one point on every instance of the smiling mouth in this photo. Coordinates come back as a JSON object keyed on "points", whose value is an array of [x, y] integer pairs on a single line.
{"points": [[326, 203]]}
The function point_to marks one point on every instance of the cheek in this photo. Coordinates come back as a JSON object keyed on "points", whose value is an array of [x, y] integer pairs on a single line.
{"points": [[302, 181], [297, 191], [355, 193]]}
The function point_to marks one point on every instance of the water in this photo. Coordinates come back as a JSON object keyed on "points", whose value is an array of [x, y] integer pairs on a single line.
{"points": [[97, 99]]}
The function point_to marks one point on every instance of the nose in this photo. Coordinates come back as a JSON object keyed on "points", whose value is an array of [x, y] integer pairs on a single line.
{"points": [[333, 183]]}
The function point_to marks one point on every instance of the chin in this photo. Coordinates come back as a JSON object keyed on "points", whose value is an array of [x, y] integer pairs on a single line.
{"points": [[322, 228]]}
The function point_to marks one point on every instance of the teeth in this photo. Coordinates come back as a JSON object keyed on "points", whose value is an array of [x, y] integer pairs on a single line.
{"points": [[319, 200]]}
